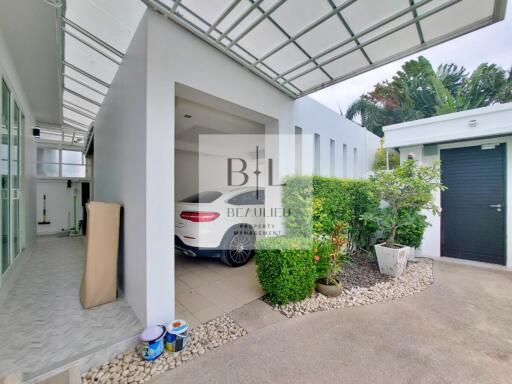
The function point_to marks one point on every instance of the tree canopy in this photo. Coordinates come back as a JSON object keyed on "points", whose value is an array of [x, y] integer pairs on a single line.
{"points": [[418, 91]]}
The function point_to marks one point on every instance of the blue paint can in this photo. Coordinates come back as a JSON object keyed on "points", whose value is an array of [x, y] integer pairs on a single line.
{"points": [[152, 342], [177, 336]]}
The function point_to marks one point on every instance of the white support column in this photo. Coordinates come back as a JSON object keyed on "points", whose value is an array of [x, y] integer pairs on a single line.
{"points": [[159, 187]]}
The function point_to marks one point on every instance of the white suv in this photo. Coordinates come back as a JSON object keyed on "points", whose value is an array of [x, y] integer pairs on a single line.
{"points": [[222, 224]]}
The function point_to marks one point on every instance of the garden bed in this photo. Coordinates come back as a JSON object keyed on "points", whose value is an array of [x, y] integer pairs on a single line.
{"points": [[363, 284], [129, 367]]}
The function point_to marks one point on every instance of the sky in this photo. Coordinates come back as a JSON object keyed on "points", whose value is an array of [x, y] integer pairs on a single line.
{"points": [[492, 44]]}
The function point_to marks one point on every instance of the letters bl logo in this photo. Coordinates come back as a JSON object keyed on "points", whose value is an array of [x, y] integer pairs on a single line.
{"points": [[239, 166]]}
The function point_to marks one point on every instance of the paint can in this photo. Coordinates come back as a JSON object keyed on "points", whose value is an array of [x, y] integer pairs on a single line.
{"points": [[177, 336], [152, 342]]}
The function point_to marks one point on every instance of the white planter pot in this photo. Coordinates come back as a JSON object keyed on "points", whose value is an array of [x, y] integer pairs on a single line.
{"points": [[414, 253], [392, 261]]}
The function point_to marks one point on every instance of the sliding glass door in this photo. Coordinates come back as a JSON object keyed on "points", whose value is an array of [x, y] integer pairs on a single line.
{"points": [[10, 154], [15, 181], [5, 155]]}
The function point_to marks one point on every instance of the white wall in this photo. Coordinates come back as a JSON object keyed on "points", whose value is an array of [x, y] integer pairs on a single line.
{"points": [[314, 117], [59, 205], [134, 144], [8, 72], [473, 124], [120, 167]]}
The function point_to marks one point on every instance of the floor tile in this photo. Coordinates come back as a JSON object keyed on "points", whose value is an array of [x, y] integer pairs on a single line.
{"points": [[193, 301], [43, 309]]}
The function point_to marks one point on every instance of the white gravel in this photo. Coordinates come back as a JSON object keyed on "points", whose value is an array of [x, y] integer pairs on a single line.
{"points": [[130, 368], [417, 277]]}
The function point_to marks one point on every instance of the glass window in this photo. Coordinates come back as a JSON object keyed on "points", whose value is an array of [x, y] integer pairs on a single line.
{"points": [[48, 170], [249, 198], [73, 170], [67, 163], [203, 197], [298, 151], [47, 155], [356, 165], [333, 157], [5, 219], [344, 160], [72, 157], [316, 151]]}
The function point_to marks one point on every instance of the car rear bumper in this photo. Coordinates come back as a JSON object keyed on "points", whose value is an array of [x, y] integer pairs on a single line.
{"points": [[192, 251]]}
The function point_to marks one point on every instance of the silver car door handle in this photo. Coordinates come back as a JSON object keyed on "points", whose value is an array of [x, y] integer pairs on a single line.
{"points": [[495, 205]]}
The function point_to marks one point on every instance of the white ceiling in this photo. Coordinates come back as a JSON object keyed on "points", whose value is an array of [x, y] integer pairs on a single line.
{"points": [[194, 119], [30, 30]]}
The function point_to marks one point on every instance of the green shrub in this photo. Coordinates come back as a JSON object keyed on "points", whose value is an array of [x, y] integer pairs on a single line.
{"points": [[318, 203], [411, 233], [285, 268]]}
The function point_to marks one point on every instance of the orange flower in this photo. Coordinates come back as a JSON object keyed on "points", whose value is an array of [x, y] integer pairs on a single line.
{"points": [[317, 258]]}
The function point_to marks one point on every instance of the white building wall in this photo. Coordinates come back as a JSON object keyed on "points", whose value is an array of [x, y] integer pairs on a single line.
{"points": [[469, 128], [59, 205], [134, 144], [9, 73], [314, 117], [120, 167]]}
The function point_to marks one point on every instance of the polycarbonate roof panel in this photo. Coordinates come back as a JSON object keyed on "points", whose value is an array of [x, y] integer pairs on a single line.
{"points": [[95, 36], [301, 46]]}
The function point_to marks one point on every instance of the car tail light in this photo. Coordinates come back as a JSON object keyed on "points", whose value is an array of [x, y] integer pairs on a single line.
{"points": [[199, 217]]}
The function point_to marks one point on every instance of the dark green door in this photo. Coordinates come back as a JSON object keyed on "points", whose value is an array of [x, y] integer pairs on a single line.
{"points": [[473, 206]]}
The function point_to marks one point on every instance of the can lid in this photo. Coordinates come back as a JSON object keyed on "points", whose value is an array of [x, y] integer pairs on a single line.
{"points": [[177, 326], [152, 333]]}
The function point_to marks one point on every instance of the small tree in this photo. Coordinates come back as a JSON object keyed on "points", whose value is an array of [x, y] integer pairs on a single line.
{"points": [[406, 187]]}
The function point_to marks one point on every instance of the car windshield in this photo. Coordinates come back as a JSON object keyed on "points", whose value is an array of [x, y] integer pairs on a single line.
{"points": [[203, 197]]}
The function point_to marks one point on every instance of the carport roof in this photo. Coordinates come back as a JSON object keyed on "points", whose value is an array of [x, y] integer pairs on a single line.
{"points": [[298, 46], [301, 46]]}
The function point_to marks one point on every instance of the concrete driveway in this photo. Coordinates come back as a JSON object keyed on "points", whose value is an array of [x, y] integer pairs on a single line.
{"points": [[457, 331]]}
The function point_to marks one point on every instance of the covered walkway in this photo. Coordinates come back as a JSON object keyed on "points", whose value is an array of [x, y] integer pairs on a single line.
{"points": [[42, 323]]}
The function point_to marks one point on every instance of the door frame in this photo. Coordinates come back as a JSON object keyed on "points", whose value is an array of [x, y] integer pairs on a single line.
{"points": [[21, 153], [507, 140]]}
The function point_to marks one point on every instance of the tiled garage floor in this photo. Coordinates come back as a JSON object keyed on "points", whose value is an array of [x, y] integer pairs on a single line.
{"points": [[206, 288]]}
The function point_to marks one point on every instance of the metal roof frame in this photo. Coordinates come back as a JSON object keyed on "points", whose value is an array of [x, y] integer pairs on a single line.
{"points": [[366, 43], [177, 12], [81, 77], [246, 16]]}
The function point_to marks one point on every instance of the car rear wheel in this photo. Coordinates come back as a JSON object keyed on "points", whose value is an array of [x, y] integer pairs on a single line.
{"points": [[238, 246]]}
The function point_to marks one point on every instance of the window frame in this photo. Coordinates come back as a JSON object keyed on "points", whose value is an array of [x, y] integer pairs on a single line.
{"points": [[60, 163]]}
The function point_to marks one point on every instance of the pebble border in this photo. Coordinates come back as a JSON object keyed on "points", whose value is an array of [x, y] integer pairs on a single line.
{"points": [[129, 367], [417, 277]]}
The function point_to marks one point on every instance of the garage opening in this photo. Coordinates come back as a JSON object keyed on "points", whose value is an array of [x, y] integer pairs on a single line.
{"points": [[219, 158]]}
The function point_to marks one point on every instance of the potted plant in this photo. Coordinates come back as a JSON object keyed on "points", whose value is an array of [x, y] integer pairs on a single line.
{"points": [[411, 234], [407, 187], [328, 255]]}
